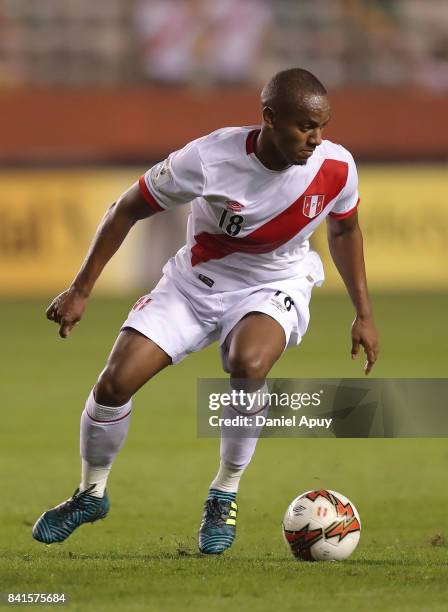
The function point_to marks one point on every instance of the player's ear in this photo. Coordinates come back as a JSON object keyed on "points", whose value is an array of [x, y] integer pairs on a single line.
{"points": [[268, 116]]}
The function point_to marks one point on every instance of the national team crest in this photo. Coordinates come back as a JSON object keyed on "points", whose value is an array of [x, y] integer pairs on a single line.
{"points": [[313, 205]]}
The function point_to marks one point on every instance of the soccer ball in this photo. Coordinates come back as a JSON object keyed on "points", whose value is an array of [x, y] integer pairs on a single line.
{"points": [[321, 525]]}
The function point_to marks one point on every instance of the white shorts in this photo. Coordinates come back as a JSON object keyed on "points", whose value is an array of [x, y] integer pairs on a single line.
{"points": [[183, 316]]}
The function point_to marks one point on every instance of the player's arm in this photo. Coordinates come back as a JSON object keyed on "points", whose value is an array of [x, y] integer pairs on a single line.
{"points": [[68, 308], [346, 248], [172, 182]]}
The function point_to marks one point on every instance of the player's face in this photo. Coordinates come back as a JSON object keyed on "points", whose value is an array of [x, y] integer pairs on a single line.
{"points": [[295, 133]]}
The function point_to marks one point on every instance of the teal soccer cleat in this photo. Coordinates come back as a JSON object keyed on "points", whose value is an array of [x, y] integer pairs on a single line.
{"points": [[57, 524], [218, 527]]}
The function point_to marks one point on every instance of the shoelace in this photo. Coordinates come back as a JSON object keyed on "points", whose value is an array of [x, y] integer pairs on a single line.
{"points": [[216, 510], [76, 501]]}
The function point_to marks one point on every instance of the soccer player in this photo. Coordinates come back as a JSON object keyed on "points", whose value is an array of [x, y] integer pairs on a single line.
{"points": [[244, 278]]}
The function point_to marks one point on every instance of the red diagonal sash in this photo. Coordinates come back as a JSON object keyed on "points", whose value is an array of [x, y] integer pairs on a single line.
{"points": [[330, 180]]}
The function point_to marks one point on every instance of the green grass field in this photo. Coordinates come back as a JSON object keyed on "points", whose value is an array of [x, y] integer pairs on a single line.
{"points": [[144, 557]]}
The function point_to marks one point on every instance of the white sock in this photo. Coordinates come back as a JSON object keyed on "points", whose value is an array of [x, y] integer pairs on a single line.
{"points": [[237, 452], [103, 432], [94, 475], [228, 477]]}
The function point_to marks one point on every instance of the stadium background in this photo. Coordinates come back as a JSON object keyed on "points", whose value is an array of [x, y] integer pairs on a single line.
{"points": [[93, 93]]}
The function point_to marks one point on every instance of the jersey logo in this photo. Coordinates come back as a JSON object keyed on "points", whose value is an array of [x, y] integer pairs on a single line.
{"points": [[313, 205], [329, 180], [160, 174], [234, 206], [141, 303]]}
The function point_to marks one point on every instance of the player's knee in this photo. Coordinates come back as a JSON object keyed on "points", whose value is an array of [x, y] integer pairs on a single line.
{"points": [[110, 390], [248, 364]]}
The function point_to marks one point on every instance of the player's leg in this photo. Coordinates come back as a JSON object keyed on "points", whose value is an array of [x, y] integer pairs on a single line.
{"points": [[255, 329], [253, 346], [254, 334], [256, 343], [104, 425], [161, 328], [133, 361]]}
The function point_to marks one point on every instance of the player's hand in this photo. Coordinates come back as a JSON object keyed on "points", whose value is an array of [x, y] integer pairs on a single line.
{"points": [[67, 310], [364, 334]]}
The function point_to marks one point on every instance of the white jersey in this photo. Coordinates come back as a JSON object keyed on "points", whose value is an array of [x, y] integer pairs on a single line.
{"points": [[250, 225]]}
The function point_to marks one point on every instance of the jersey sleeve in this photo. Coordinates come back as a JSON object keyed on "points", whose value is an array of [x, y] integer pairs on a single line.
{"points": [[179, 179], [348, 200]]}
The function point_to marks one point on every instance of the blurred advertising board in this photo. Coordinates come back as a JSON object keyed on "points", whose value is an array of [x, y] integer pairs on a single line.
{"points": [[47, 219]]}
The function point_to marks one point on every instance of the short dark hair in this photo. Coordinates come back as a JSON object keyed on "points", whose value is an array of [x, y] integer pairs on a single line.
{"points": [[288, 86]]}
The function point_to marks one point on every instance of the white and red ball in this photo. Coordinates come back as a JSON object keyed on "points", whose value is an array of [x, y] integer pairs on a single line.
{"points": [[321, 525]]}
